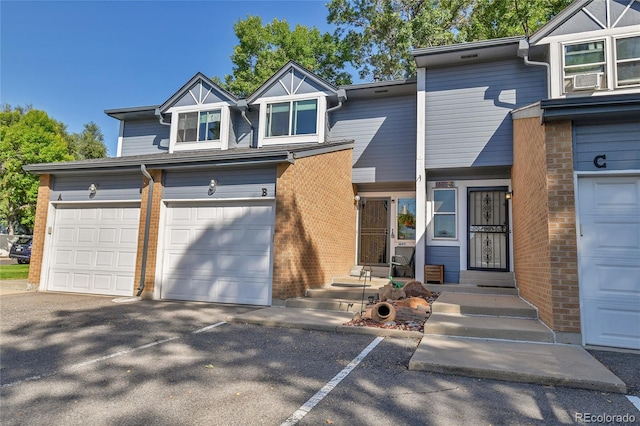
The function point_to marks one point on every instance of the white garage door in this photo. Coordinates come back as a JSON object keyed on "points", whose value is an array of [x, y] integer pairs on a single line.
{"points": [[94, 250], [218, 253], [609, 252]]}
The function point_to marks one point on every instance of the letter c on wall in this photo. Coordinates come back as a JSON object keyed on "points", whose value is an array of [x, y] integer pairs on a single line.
{"points": [[599, 161]]}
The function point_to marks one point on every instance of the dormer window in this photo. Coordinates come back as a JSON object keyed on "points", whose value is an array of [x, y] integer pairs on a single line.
{"points": [[292, 118], [608, 63], [199, 126], [585, 65], [628, 61]]}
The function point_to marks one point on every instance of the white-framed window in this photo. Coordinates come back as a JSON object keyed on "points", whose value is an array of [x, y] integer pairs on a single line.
{"points": [[199, 127], [445, 213], [585, 65], [627, 61], [292, 118], [605, 63]]}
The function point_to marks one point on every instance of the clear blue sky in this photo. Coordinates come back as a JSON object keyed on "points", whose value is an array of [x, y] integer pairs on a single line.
{"points": [[74, 59]]}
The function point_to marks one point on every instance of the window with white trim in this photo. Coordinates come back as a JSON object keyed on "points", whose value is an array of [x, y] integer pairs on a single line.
{"points": [[445, 214], [199, 126], [292, 118], [628, 61], [585, 65]]}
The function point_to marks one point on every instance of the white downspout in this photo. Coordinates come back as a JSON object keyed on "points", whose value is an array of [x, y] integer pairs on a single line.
{"points": [[523, 52]]}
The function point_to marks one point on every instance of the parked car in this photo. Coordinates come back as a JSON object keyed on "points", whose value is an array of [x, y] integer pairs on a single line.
{"points": [[21, 250]]}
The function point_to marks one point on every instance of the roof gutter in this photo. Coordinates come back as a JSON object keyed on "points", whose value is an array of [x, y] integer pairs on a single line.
{"points": [[342, 97], [145, 246], [160, 117], [523, 52]]}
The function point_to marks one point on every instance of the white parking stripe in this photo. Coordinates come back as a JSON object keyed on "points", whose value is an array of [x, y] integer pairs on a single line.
{"points": [[113, 355], [634, 400], [319, 396], [209, 327]]}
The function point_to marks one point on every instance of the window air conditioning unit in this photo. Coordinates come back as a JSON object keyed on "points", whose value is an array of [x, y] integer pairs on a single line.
{"points": [[591, 81]]}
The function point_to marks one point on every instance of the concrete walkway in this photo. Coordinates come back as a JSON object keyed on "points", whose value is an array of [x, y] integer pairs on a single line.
{"points": [[15, 287], [538, 363]]}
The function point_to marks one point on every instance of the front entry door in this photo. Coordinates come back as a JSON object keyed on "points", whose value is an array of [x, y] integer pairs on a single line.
{"points": [[488, 229], [374, 231]]}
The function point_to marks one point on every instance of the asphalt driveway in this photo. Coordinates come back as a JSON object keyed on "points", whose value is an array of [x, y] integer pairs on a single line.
{"points": [[78, 360]]}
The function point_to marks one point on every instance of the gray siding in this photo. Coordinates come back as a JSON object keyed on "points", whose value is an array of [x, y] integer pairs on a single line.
{"points": [[581, 22], [199, 93], [447, 256], [243, 130], [620, 142], [110, 187], [384, 131], [144, 137], [244, 183], [292, 83], [467, 111]]}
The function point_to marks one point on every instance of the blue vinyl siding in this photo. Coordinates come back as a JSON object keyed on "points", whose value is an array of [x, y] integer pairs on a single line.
{"points": [[243, 130], [384, 132], [111, 187], [447, 256], [242, 183], [144, 137], [620, 142], [468, 120]]}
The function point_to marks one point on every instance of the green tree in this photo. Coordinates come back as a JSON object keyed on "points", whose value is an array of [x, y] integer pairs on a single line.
{"points": [[263, 49], [27, 136], [505, 18], [87, 144], [382, 33]]}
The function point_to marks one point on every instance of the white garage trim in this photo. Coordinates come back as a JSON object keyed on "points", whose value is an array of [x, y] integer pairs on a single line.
{"points": [[609, 304], [98, 258], [216, 251]]}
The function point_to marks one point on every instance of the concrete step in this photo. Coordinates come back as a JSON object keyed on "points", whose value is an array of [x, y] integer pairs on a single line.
{"points": [[326, 304], [487, 327], [484, 304], [345, 281], [544, 364], [353, 293], [474, 289], [373, 271], [488, 278]]}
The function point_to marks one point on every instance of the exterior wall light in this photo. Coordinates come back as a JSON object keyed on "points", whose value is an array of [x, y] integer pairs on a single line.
{"points": [[508, 195], [357, 198], [213, 185], [93, 188]]}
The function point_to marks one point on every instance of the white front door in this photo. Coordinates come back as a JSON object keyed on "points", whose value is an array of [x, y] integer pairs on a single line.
{"points": [[219, 252], [94, 249], [609, 258]]}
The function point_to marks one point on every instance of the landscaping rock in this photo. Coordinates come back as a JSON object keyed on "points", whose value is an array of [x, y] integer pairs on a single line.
{"points": [[415, 289]]}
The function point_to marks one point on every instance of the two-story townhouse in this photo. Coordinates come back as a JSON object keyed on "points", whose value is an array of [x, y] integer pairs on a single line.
{"points": [[215, 198], [528, 160], [576, 176], [510, 156]]}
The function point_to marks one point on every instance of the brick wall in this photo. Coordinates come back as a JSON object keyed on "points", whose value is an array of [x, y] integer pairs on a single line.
{"points": [[39, 229], [315, 223], [562, 228], [154, 224], [531, 216], [546, 262]]}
